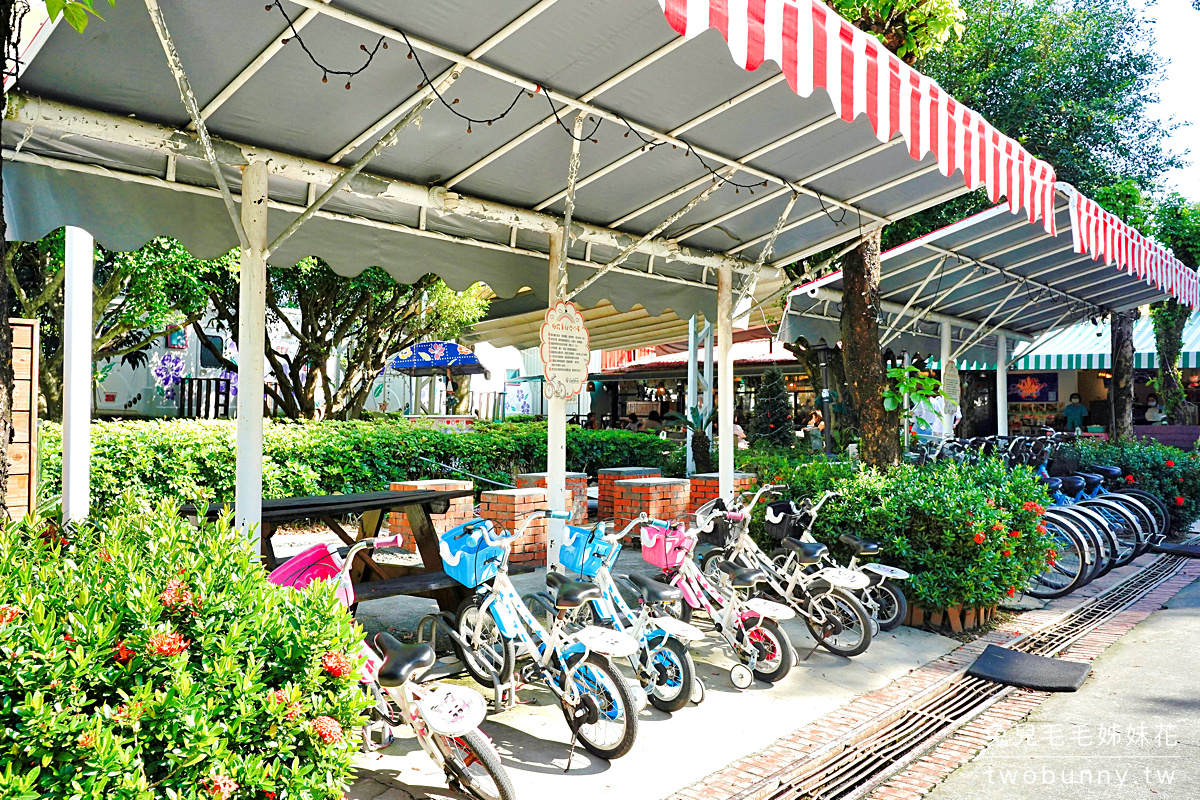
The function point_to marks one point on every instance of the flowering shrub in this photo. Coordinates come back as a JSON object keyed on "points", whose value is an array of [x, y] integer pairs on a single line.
{"points": [[968, 533], [144, 658], [1167, 472]]}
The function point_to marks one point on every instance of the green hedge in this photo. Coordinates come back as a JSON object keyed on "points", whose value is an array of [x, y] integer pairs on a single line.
{"points": [[952, 526], [146, 659], [1171, 474], [194, 459]]}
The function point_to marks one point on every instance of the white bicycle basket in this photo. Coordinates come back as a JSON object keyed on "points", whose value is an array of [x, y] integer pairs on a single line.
{"points": [[451, 710]]}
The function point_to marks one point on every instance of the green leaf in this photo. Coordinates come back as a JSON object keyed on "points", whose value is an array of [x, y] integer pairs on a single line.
{"points": [[75, 16]]}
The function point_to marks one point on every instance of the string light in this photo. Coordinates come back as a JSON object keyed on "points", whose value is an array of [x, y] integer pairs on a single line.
{"points": [[327, 71]]}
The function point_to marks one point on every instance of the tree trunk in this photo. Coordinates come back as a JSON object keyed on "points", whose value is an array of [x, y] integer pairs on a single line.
{"points": [[1121, 385], [802, 350], [11, 35], [879, 444], [462, 395], [1170, 317]]}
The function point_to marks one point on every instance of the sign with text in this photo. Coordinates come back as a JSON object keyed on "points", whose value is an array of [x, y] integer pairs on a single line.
{"points": [[951, 387], [565, 351]]}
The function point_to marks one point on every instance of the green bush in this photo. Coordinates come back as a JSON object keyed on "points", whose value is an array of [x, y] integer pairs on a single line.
{"points": [[144, 658], [194, 459], [1171, 474], [952, 526]]}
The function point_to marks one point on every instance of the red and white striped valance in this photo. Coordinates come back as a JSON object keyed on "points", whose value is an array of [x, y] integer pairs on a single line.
{"points": [[1100, 233], [816, 48]]}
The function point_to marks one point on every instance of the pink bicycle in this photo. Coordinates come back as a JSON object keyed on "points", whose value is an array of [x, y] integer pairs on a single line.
{"points": [[445, 717]]}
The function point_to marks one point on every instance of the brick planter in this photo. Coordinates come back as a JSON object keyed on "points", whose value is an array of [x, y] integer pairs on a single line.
{"points": [[957, 619], [461, 509], [576, 488], [661, 498], [508, 509], [706, 486], [608, 492]]}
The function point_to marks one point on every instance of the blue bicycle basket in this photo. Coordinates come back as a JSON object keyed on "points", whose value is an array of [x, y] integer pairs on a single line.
{"points": [[466, 555], [584, 550]]}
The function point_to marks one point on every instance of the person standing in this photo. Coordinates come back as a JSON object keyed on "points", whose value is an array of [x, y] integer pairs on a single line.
{"points": [[1075, 411]]}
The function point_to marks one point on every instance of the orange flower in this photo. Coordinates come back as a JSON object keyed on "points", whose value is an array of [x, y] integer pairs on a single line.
{"points": [[336, 664], [222, 786], [328, 729], [87, 740], [9, 613], [122, 653], [127, 713], [293, 709], [105, 555], [980, 538], [1012, 592], [167, 644]]}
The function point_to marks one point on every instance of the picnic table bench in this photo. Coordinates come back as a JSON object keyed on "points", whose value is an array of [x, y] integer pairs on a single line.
{"points": [[372, 580]]}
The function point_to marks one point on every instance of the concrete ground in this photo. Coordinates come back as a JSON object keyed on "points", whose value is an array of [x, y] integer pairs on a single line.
{"points": [[1131, 732], [669, 753]]}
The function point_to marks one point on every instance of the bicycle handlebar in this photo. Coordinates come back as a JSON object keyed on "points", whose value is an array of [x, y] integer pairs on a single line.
{"points": [[503, 539]]}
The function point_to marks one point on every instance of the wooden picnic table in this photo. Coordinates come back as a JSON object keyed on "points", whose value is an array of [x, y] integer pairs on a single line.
{"points": [[371, 580]]}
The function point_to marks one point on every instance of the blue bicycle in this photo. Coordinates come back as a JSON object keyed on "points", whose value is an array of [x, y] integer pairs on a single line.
{"points": [[573, 664], [663, 665]]}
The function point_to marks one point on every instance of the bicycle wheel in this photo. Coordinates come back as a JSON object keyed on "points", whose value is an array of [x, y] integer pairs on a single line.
{"points": [[1089, 539], [489, 647], [836, 620], [1066, 567], [1147, 521], [1162, 515], [1102, 537], [892, 605], [1124, 526], [708, 564], [604, 720], [674, 675], [775, 658], [473, 766]]}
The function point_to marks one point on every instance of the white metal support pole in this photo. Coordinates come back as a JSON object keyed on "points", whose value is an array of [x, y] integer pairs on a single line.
{"points": [[1001, 384], [77, 373], [252, 328], [556, 426], [693, 386], [725, 441], [944, 358]]}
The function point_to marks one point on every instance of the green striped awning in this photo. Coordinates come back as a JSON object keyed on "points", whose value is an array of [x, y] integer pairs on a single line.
{"points": [[1087, 346]]}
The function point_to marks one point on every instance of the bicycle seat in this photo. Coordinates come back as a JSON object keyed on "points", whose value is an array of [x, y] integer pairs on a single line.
{"points": [[1072, 485], [806, 552], [741, 577], [861, 547], [573, 594], [1108, 473], [401, 661], [1091, 481], [556, 579], [1053, 484], [652, 591]]}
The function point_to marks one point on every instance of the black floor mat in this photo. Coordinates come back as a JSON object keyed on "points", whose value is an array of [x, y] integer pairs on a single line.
{"points": [[1185, 550], [1027, 671]]}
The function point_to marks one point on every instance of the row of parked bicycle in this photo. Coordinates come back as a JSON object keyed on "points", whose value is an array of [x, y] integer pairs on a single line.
{"points": [[1097, 521], [570, 637]]}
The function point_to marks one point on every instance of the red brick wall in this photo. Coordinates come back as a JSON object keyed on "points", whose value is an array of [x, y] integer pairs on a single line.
{"points": [[461, 509], [706, 486], [661, 498], [608, 492], [507, 509], [576, 487]]}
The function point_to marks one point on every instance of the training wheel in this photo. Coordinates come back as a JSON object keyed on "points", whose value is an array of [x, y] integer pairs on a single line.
{"points": [[741, 676], [874, 623], [697, 695], [640, 698]]}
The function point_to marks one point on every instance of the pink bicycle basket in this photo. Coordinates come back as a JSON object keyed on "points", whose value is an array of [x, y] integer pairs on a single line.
{"points": [[665, 547]]}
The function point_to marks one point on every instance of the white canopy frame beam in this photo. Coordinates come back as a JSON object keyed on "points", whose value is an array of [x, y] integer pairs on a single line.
{"points": [[402, 109], [973, 336], [749, 285], [193, 109], [917, 243], [926, 310], [911, 300], [67, 119]]}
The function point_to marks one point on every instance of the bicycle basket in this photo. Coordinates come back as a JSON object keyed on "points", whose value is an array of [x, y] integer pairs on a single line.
{"points": [[787, 520], [466, 555], [719, 533], [584, 550], [665, 547], [320, 562]]}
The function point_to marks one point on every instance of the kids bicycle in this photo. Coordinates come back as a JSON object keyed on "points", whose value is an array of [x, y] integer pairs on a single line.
{"points": [[663, 665], [750, 627], [444, 717], [573, 665], [824, 597]]}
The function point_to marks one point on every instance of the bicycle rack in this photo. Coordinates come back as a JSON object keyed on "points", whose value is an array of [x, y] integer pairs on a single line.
{"points": [[504, 695]]}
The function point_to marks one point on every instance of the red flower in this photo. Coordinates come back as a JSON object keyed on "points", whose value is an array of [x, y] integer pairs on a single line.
{"points": [[980, 538], [328, 729], [1179, 501], [336, 664], [1034, 507], [68, 638], [1041, 529], [1015, 534], [1012, 592], [177, 594], [1130, 479], [87, 740], [222, 786], [293, 709], [1181, 480], [1008, 552], [269, 795], [127, 713], [9, 613], [122, 653], [167, 644], [997, 527], [1170, 463], [991, 502], [105, 555]]}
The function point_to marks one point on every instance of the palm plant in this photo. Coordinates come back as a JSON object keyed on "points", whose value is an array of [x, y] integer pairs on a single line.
{"points": [[696, 422]]}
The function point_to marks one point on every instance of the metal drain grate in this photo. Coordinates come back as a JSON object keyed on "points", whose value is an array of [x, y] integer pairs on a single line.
{"points": [[853, 769]]}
